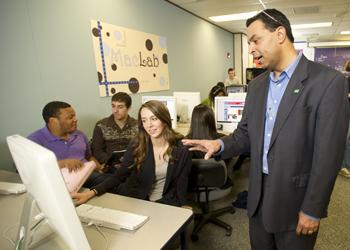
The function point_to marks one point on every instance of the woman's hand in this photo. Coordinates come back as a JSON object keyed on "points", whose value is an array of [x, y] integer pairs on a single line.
{"points": [[80, 198]]}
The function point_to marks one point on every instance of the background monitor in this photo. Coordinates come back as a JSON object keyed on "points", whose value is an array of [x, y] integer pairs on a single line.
{"points": [[251, 73], [170, 103], [229, 110], [235, 88], [185, 103], [45, 186]]}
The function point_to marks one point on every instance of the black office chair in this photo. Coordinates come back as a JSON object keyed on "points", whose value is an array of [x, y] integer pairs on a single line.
{"points": [[206, 176]]}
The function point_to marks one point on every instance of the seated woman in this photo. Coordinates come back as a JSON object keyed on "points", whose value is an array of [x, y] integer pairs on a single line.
{"points": [[202, 126], [217, 90], [155, 165]]}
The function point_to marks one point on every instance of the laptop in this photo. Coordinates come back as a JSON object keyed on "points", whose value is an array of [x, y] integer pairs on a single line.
{"points": [[74, 180], [115, 158]]}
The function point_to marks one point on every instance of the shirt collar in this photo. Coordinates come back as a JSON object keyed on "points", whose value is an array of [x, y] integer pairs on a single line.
{"points": [[51, 137], [288, 72], [113, 123]]}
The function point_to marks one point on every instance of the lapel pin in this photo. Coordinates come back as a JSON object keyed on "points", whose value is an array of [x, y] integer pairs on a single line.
{"points": [[296, 91]]}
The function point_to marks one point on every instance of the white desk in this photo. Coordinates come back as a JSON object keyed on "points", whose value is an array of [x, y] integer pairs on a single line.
{"points": [[183, 128], [164, 225]]}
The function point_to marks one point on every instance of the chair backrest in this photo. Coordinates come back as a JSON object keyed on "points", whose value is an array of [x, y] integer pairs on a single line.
{"points": [[207, 173]]}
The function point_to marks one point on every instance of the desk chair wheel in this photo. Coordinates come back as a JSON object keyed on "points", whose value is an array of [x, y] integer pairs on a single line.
{"points": [[194, 237], [233, 210], [228, 233]]}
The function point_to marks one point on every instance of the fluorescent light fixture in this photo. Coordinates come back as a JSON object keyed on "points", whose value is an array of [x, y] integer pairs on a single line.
{"points": [[345, 32], [233, 17], [311, 25], [296, 33], [330, 44]]}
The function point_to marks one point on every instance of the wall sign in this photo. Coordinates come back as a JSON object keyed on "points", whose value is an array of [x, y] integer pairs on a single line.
{"points": [[129, 60]]}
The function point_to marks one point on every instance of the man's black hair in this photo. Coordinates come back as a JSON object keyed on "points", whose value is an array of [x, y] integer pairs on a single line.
{"points": [[272, 19], [122, 97], [52, 109]]}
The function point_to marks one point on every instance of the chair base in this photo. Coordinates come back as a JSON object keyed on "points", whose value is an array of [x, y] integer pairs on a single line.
{"points": [[211, 217]]}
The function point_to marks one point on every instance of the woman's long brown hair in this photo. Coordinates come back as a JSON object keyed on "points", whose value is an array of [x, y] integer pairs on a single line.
{"points": [[202, 123], [143, 138]]}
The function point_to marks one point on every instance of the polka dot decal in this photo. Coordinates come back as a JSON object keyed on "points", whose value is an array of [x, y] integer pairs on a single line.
{"points": [[149, 44], [96, 32], [134, 85], [113, 91], [99, 75], [114, 67], [165, 58]]}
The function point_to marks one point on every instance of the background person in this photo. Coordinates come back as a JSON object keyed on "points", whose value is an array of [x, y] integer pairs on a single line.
{"points": [[202, 126], [345, 170], [115, 132], [61, 136], [231, 78], [215, 91]]}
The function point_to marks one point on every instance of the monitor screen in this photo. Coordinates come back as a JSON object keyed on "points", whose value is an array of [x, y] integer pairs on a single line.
{"points": [[235, 88], [229, 110], [45, 186], [251, 73], [169, 102], [185, 103]]}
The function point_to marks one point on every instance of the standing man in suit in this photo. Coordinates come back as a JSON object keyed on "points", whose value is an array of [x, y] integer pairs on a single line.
{"points": [[294, 125]]}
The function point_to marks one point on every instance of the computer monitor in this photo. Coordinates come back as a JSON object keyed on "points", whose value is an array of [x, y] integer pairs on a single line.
{"points": [[46, 188], [251, 73], [235, 88], [169, 102], [185, 103], [229, 110]]}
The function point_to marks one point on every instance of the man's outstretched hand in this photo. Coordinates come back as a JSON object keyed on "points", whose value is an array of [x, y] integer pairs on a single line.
{"points": [[209, 147]]}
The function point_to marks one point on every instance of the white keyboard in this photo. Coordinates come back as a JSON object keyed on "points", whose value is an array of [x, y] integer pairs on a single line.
{"points": [[110, 218], [11, 188]]}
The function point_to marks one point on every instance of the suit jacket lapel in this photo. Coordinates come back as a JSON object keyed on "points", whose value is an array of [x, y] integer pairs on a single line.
{"points": [[290, 97], [260, 110]]}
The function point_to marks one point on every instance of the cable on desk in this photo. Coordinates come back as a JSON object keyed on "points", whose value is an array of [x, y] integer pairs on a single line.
{"points": [[100, 231], [5, 231], [42, 221]]}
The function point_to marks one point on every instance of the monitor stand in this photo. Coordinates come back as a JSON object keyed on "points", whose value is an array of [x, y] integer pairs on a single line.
{"points": [[31, 220]]}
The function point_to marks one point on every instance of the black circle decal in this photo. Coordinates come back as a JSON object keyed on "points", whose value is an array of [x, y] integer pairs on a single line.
{"points": [[99, 75], [134, 85], [165, 58], [149, 44], [96, 32]]}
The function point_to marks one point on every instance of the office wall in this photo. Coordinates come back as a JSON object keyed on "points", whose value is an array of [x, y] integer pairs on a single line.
{"points": [[47, 54]]}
